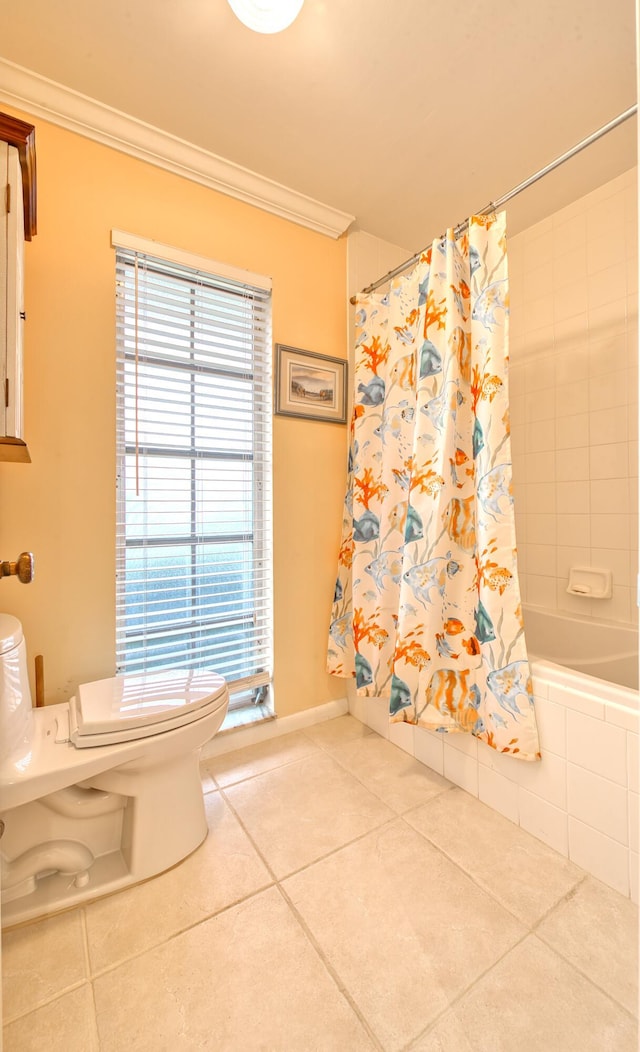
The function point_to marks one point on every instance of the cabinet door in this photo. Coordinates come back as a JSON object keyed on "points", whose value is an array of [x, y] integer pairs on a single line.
{"points": [[13, 307]]}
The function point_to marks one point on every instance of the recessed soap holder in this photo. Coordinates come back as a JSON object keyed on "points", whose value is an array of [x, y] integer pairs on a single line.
{"points": [[590, 583]]}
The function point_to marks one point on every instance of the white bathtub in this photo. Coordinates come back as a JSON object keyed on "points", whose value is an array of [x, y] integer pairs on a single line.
{"points": [[583, 797], [600, 649]]}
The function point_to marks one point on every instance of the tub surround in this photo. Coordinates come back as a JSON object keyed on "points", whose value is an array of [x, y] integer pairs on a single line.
{"points": [[581, 798], [573, 382]]}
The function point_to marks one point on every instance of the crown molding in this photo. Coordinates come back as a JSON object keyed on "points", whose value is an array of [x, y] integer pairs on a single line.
{"points": [[44, 98]]}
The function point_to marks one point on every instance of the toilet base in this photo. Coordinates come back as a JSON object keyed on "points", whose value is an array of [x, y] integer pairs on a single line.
{"points": [[161, 822]]}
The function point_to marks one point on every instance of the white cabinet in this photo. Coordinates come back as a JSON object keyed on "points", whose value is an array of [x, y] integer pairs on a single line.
{"points": [[12, 298], [17, 223]]}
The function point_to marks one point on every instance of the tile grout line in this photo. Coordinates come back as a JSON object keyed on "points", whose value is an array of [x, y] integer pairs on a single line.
{"points": [[463, 993], [7, 1020], [340, 985], [318, 748], [476, 881]]}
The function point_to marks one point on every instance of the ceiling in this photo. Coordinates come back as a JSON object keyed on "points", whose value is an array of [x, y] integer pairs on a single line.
{"points": [[408, 114]]}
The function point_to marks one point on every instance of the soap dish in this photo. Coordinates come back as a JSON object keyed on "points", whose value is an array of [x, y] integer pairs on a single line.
{"points": [[590, 583]]}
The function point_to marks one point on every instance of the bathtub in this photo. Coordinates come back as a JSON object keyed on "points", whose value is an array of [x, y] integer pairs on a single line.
{"points": [[582, 798], [599, 649]]}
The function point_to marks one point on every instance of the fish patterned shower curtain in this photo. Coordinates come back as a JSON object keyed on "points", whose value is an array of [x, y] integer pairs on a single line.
{"points": [[427, 604]]}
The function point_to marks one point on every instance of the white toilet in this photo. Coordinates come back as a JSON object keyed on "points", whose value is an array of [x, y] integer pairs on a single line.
{"points": [[102, 791]]}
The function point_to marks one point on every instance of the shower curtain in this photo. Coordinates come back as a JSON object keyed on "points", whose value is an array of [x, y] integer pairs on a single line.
{"points": [[427, 603]]}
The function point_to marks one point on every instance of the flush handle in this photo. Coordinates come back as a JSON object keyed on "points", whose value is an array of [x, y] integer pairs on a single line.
{"points": [[22, 568]]}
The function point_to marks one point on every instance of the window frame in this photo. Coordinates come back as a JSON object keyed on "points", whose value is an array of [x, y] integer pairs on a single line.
{"points": [[197, 271]]}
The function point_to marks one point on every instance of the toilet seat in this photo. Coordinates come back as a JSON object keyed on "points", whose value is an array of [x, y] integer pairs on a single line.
{"points": [[126, 708]]}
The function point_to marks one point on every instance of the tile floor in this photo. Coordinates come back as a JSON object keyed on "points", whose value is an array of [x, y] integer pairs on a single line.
{"points": [[346, 899]]}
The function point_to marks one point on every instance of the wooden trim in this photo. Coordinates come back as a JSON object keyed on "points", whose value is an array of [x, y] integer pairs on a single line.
{"points": [[14, 451], [23, 136]]}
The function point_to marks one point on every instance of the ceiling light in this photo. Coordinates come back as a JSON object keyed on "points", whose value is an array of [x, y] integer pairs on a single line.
{"points": [[266, 16]]}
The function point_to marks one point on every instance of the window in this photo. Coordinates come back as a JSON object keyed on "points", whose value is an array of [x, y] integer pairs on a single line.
{"points": [[193, 544]]}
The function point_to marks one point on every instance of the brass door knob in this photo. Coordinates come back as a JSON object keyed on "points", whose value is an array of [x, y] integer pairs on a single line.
{"points": [[23, 568]]}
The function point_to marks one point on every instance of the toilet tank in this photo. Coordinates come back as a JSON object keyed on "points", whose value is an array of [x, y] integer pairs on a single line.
{"points": [[15, 695]]}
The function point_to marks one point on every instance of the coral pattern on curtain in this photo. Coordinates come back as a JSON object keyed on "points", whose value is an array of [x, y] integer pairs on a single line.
{"points": [[427, 603]]}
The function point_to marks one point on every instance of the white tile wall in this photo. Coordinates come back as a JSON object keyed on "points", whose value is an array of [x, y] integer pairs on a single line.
{"points": [[582, 798], [574, 416]]}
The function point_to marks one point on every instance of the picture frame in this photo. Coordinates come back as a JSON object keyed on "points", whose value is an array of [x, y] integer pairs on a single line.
{"points": [[309, 385]]}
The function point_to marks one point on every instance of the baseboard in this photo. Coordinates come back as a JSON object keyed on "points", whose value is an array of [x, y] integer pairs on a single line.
{"points": [[272, 728]]}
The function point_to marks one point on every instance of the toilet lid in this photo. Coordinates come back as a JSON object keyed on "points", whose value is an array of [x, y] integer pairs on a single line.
{"points": [[144, 700]]}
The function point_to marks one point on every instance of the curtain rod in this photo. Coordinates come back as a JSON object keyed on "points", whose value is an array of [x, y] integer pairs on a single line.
{"points": [[493, 205]]}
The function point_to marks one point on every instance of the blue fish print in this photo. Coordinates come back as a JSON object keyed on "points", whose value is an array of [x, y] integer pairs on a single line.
{"points": [[361, 316], [364, 672], [405, 335], [361, 338], [508, 683], [491, 299], [443, 647], [424, 578], [485, 631], [340, 629], [387, 564], [430, 360], [477, 438], [423, 290], [414, 528], [393, 418], [367, 527], [493, 487], [400, 695], [373, 392], [339, 591], [437, 408], [474, 259], [475, 696]]}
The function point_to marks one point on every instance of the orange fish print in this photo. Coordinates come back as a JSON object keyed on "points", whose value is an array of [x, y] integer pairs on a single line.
{"points": [[457, 461], [453, 626], [448, 690], [499, 579], [459, 522], [450, 693], [403, 372], [397, 517], [471, 645]]}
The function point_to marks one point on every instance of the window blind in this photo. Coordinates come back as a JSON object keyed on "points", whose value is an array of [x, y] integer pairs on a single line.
{"points": [[193, 546]]}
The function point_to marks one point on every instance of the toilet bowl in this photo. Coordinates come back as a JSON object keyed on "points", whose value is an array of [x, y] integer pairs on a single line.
{"points": [[102, 791]]}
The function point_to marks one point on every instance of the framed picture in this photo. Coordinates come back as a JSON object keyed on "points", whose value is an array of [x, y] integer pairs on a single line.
{"points": [[310, 385]]}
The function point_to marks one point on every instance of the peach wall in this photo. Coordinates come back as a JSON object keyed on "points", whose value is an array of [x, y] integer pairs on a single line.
{"points": [[62, 506]]}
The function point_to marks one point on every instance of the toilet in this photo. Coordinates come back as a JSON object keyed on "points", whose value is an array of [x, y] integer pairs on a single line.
{"points": [[102, 791]]}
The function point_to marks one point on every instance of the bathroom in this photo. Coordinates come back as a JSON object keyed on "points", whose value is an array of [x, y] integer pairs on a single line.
{"points": [[62, 507]]}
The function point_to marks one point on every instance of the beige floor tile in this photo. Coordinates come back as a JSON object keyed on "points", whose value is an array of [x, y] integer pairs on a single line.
{"points": [[65, 1025], [244, 763], [332, 733], [532, 1001], [404, 928], [40, 961], [224, 869], [246, 979], [524, 874], [390, 773], [301, 812], [597, 930]]}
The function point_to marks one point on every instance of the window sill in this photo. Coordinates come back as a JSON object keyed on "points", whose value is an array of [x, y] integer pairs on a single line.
{"points": [[247, 716]]}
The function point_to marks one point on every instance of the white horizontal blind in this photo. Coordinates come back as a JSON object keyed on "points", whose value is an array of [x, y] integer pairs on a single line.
{"points": [[194, 554]]}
